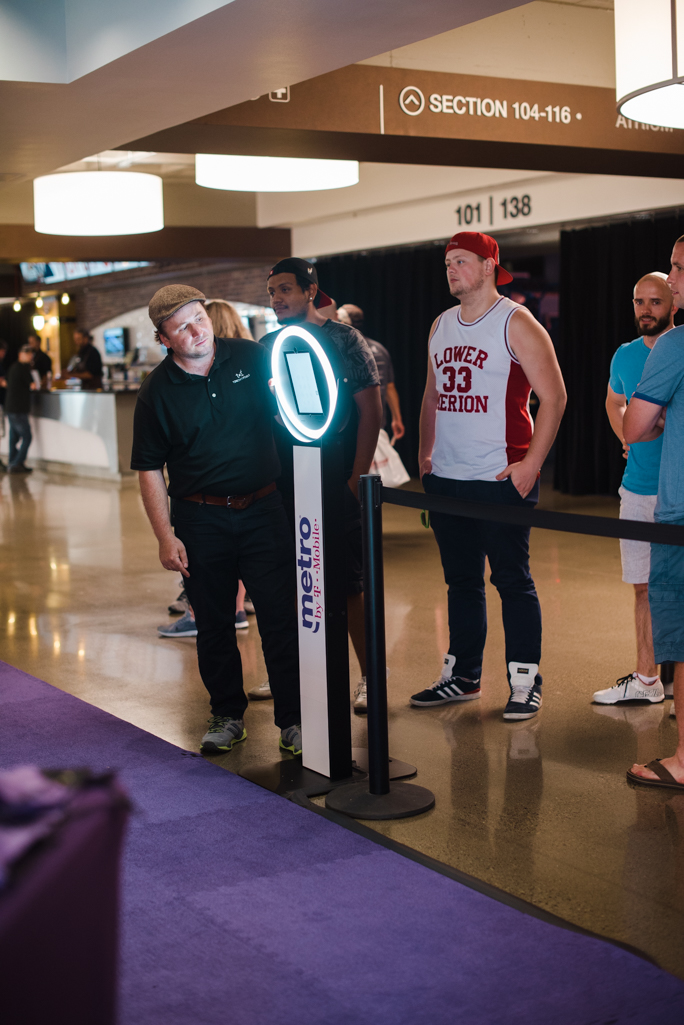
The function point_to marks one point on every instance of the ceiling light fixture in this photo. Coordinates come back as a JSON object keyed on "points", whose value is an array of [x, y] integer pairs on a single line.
{"points": [[273, 174], [39, 322], [98, 203], [16, 306], [39, 302], [66, 299], [650, 75]]}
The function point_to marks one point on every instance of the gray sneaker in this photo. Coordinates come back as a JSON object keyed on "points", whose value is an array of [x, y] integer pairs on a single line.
{"points": [[183, 627], [180, 605], [260, 693], [291, 739], [223, 734]]}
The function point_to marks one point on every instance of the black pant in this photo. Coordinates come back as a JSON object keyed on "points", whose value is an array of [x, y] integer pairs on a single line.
{"points": [[253, 545], [463, 545]]}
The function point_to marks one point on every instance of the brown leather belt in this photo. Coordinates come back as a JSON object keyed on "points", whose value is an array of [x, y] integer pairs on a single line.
{"points": [[231, 501]]}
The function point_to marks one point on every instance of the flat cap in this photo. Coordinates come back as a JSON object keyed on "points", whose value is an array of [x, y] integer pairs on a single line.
{"points": [[165, 302]]}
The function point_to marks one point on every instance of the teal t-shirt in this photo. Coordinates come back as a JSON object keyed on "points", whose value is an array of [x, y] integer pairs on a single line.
{"points": [[643, 461], [662, 383]]}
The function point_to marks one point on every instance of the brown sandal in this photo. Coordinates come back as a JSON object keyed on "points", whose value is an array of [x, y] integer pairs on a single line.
{"points": [[665, 777]]}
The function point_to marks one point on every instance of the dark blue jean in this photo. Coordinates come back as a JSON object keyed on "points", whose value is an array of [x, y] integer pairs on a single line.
{"points": [[463, 546], [20, 437]]}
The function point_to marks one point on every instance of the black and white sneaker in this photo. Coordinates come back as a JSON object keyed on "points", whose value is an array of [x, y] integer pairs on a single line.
{"points": [[449, 687], [526, 696]]}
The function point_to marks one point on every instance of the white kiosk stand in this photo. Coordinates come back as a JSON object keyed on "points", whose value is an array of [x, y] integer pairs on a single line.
{"points": [[314, 408]]}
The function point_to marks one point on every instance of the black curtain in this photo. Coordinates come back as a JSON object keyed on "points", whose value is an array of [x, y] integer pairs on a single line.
{"points": [[400, 292], [599, 268]]}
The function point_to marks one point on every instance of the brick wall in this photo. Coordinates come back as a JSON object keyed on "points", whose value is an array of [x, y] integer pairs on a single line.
{"points": [[97, 301]]}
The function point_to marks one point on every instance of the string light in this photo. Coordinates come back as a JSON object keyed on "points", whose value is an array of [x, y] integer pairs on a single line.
{"points": [[16, 306], [39, 303], [39, 322], [66, 299]]}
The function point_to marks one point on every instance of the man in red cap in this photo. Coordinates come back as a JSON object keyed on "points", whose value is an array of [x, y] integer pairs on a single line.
{"points": [[478, 444]]}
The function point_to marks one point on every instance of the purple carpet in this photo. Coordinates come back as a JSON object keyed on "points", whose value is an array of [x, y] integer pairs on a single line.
{"points": [[240, 907]]}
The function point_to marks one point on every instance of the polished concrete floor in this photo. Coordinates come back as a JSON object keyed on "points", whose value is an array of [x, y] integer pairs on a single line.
{"points": [[541, 809]]}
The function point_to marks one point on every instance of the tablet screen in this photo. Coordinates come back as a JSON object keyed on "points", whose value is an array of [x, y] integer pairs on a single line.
{"points": [[304, 382]]}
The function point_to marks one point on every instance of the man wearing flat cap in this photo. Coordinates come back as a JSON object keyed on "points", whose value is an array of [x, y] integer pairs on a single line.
{"points": [[206, 414]]}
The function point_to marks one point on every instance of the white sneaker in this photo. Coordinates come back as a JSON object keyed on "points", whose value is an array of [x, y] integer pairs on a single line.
{"points": [[261, 693], [672, 710], [361, 697], [631, 688]]}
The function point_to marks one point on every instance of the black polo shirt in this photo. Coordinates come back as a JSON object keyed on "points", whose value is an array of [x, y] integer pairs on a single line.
{"points": [[214, 433]]}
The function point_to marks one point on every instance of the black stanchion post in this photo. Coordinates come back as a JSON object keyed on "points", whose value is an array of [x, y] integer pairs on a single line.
{"points": [[376, 798], [374, 613]]}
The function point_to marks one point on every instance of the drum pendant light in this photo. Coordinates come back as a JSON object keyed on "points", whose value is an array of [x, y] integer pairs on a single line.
{"points": [[98, 203], [649, 61], [273, 174]]}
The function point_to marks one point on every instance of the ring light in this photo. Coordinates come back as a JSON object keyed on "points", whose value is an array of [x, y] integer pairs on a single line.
{"points": [[296, 386]]}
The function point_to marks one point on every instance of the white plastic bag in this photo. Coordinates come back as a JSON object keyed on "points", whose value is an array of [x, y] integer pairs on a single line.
{"points": [[387, 462]]}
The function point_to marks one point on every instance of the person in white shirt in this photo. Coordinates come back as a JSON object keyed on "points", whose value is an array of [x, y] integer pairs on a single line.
{"points": [[477, 443]]}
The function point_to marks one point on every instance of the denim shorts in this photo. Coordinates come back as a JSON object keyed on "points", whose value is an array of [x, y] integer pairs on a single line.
{"points": [[666, 598]]}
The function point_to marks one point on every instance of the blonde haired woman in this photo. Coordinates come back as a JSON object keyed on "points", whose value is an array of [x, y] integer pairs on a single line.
{"points": [[227, 323], [226, 320]]}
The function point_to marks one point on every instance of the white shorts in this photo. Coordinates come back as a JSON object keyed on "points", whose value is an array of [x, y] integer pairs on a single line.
{"points": [[636, 555]]}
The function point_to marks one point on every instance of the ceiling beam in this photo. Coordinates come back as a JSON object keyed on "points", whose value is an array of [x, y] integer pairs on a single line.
{"points": [[410, 149], [20, 243]]}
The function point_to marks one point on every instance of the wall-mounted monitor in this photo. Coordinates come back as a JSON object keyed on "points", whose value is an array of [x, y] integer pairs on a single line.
{"points": [[116, 341]]}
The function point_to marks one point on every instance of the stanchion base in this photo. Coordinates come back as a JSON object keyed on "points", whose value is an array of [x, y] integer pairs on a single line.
{"points": [[403, 800], [397, 769], [288, 775], [285, 776]]}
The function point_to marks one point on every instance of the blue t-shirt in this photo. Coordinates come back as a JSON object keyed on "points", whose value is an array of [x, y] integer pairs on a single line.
{"points": [[643, 461], [662, 383]]}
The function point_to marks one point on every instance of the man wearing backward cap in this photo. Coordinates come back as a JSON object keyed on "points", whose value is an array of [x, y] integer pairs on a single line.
{"points": [[206, 414], [477, 444]]}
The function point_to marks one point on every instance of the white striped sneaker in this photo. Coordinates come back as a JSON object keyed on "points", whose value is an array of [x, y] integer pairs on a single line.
{"points": [[526, 696], [449, 687], [631, 688]]}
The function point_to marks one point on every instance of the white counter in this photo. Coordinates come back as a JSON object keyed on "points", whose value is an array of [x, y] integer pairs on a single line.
{"points": [[81, 433]]}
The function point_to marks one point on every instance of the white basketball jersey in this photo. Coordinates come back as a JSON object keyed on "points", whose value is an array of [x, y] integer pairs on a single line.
{"points": [[483, 414]]}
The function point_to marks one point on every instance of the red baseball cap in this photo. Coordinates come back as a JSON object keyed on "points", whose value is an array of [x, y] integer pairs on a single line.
{"points": [[484, 246]]}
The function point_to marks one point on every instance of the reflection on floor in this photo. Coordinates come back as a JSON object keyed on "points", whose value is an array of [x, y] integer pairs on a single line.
{"points": [[540, 809]]}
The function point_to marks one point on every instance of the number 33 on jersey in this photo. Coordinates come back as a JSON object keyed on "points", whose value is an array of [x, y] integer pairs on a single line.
{"points": [[483, 418]]}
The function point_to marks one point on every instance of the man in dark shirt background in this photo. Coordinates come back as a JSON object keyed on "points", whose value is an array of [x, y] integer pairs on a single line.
{"points": [[87, 363], [41, 361], [296, 298], [20, 384], [207, 414], [383, 361]]}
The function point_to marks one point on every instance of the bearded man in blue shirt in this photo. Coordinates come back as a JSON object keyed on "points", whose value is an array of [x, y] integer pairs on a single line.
{"points": [[660, 394], [654, 313]]}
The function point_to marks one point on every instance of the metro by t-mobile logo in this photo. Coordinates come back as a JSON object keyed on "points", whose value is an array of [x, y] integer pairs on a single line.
{"points": [[309, 562]]}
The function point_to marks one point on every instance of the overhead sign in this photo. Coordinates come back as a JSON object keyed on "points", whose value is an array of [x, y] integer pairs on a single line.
{"points": [[396, 101]]}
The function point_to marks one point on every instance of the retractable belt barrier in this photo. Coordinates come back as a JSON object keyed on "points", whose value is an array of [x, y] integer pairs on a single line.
{"points": [[573, 523], [378, 798]]}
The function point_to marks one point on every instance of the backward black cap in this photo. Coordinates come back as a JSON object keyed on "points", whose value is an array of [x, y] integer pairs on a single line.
{"points": [[304, 272]]}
